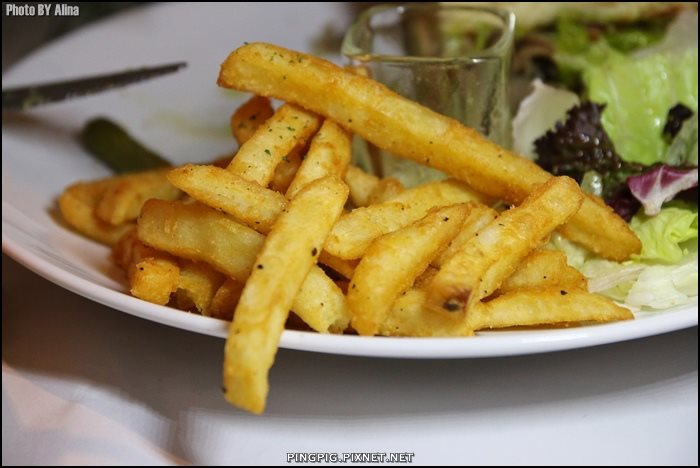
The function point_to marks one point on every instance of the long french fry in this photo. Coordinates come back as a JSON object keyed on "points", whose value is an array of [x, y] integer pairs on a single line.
{"points": [[545, 306], [289, 128], [255, 206], [393, 262], [481, 265], [328, 155], [289, 252], [412, 131], [355, 231]]}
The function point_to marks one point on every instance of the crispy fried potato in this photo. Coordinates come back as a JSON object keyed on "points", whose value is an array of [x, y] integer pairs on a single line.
{"points": [[122, 201], [361, 185], [479, 216], [289, 128], [78, 203], [481, 265], [412, 131], [199, 233], [255, 206], [289, 252], [196, 232], [321, 303], [355, 231], [154, 279], [247, 118], [344, 267], [386, 189], [394, 260], [329, 155], [153, 275], [196, 286], [225, 300], [286, 170], [544, 268], [408, 316], [545, 306]]}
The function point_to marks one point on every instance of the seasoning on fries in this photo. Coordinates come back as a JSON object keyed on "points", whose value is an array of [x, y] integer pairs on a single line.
{"points": [[290, 225]]}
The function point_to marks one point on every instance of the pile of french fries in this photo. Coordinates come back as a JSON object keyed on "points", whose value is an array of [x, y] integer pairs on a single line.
{"points": [[289, 225]]}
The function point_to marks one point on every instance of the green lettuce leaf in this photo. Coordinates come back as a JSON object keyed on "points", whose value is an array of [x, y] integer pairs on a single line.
{"points": [[667, 237], [638, 94]]}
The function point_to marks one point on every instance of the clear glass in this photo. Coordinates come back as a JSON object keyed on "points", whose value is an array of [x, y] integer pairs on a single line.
{"points": [[452, 58]]}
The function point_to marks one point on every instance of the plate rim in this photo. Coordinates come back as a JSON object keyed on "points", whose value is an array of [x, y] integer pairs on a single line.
{"points": [[485, 344]]}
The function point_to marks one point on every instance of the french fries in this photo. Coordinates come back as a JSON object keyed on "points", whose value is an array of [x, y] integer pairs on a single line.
{"points": [[247, 118], [329, 155], [412, 131], [289, 252], [199, 233], [265, 235], [78, 204], [493, 254], [287, 130], [122, 201], [355, 231], [544, 268], [529, 307], [255, 206], [393, 262]]}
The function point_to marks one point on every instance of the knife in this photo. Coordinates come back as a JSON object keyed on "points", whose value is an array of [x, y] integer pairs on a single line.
{"points": [[24, 97]]}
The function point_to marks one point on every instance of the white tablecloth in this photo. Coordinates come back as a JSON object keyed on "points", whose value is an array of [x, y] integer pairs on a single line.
{"points": [[85, 384]]}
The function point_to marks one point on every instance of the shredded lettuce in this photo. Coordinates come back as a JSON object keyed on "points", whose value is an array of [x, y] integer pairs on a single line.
{"points": [[665, 274]]}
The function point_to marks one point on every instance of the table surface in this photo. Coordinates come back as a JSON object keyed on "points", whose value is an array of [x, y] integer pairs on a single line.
{"points": [[86, 384]]}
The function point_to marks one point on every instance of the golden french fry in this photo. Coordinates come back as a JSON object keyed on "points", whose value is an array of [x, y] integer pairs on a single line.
{"points": [[249, 117], [153, 275], [77, 205], [493, 254], [289, 252], [412, 131], [329, 155], [544, 268], [479, 217], [386, 189], [408, 316], [197, 285], [286, 170], [255, 206], [122, 201], [321, 303], [344, 267], [154, 279], [355, 231], [393, 261], [289, 128], [545, 306], [361, 185], [225, 300], [196, 232]]}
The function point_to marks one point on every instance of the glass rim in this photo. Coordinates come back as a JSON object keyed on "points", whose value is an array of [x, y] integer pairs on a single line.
{"points": [[500, 48]]}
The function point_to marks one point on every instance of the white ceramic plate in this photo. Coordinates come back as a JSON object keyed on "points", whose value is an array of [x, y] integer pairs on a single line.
{"points": [[184, 116]]}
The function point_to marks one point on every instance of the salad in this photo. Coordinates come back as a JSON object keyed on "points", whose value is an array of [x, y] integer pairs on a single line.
{"points": [[614, 105]]}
